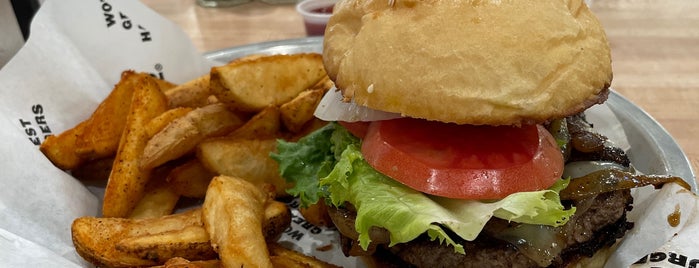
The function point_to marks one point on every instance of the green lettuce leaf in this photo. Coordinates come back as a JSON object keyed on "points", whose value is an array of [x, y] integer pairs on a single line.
{"points": [[304, 162], [386, 203]]}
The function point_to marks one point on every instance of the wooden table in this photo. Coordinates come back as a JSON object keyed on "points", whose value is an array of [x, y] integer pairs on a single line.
{"points": [[655, 49]]}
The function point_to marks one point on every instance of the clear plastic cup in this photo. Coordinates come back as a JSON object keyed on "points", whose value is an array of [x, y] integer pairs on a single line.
{"points": [[315, 15]]}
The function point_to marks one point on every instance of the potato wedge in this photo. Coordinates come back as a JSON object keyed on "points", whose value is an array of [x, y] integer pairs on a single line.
{"points": [[95, 239], [178, 262], [317, 214], [252, 85], [182, 135], [286, 258], [61, 150], [159, 199], [94, 171], [127, 180], [101, 135], [264, 124], [297, 112], [243, 158], [190, 179], [191, 242], [193, 93], [233, 214], [119, 242], [164, 119]]}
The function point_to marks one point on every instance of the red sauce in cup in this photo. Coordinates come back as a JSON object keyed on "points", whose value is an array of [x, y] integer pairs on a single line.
{"points": [[315, 27]]}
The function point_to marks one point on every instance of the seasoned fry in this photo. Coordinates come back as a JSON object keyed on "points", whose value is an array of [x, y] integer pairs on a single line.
{"points": [[178, 262], [127, 180], [153, 142], [252, 85], [264, 124], [286, 258], [233, 213], [297, 112], [95, 171], [243, 158], [61, 150], [160, 122], [159, 199], [101, 135], [96, 239], [190, 179], [193, 93], [185, 242], [183, 134], [119, 242], [317, 214]]}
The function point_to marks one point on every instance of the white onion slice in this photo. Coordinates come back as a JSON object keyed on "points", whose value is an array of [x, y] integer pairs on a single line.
{"points": [[332, 108]]}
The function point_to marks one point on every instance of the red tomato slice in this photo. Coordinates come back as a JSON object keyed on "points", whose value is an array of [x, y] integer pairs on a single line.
{"points": [[358, 129], [463, 161]]}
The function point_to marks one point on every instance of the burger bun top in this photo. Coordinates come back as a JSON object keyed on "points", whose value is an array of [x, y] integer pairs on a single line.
{"points": [[487, 62]]}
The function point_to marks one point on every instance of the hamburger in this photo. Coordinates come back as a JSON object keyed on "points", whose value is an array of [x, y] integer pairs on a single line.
{"points": [[452, 123]]}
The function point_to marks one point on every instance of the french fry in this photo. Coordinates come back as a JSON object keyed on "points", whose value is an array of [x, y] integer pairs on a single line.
{"points": [[193, 93], [94, 171], [150, 165], [191, 242], [159, 199], [252, 85], [120, 242], [233, 213], [96, 239], [61, 150], [264, 124], [317, 214], [190, 179], [297, 112], [243, 158], [127, 180], [101, 135], [283, 257], [183, 134], [160, 122], [179, 262]]}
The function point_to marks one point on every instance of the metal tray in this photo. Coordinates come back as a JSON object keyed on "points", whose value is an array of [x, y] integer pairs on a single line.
{"points": [[653, 150]]}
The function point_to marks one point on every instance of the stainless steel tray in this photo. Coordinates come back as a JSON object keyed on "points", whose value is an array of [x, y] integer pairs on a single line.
{"points": [[653, 150]]}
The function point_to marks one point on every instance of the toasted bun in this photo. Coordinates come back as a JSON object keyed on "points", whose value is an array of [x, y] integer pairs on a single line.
{"points": [[494, 62]]}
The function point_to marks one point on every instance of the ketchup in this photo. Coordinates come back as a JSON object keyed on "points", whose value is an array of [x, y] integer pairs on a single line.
{"points": [[323, 10], [314, 27]]}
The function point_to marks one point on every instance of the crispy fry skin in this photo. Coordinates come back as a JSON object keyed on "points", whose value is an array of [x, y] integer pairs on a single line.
{"points": [[160, 122], [297, 112], [243, 158], [286, 258], [96, 239], [317, 214], [264, 124], [190, 179], [183, 134], [158, 125], [94, 171], [251, 85], [194, 93], [159, 198], [119, 242], [60, 150], [233, 213], [127, 180], [178, 262], [101, 135]]}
